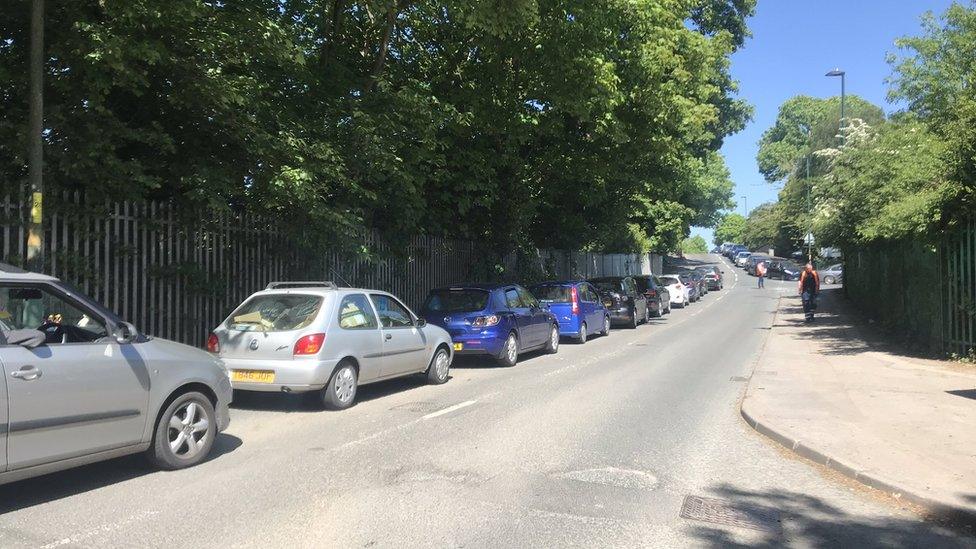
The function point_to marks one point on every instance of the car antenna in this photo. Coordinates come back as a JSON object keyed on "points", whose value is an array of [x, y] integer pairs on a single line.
{"points": [[341, 279]]}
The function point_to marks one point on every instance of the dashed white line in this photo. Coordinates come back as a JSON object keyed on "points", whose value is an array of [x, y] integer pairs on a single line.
{"points": [[449, 409]]}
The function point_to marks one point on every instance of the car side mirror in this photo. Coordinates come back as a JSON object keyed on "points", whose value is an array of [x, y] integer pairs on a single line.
{"points": [[28, 338], [421, 322], [125, 333]]}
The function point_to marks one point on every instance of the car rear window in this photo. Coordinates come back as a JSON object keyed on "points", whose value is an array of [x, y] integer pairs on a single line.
{"points": [[667, 280], [456, 301], [607, 285], [554, 293], [642, 284], [275, 313]]}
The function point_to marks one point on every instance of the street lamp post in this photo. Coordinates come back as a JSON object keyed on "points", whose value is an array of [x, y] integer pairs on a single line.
{"points": [[843, 123], [745, 205]]}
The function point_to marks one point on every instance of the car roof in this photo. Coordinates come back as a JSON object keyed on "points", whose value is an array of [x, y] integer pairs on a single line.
{"points": [[11, 272], [608, 278], [476, 286], [559, 282]]}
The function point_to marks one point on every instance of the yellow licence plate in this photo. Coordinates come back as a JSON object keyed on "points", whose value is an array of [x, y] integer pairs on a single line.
{"points": [[252, 376], [458, 346]]}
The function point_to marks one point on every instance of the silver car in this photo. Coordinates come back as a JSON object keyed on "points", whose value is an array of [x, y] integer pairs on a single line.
{"points": [[80, 385], [315, 336]]}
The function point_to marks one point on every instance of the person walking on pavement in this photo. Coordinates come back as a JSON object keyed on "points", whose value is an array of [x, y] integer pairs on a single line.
{"points": [[809, 288], [761, 273]]}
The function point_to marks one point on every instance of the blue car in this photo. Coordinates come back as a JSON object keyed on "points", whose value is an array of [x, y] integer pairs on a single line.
{"points": [[497, 320], [577, 305]]}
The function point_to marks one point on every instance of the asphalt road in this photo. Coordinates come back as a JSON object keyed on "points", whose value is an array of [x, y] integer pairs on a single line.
{"points": [[599, 445]]}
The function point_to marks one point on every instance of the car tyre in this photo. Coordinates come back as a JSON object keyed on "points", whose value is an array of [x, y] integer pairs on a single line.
{"points": [[606, 326], [340, 392], [509, 356], [552, 346], [634, 322], [582, 333], [439, 369], [828, 279], [185, 432]]}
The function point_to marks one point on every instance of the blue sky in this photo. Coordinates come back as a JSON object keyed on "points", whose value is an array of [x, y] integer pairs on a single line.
{"points": [[794, 43]]}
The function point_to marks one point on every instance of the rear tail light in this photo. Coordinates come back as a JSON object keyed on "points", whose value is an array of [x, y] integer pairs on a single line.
{"points": [[213, 344], [651, 293], [309, 345], [484, 321], [574, 295]]}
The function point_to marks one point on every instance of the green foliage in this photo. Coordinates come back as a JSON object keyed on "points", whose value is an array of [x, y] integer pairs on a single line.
{"points": [[694, 245], [769, 226], [730, 229], [576, 124]]}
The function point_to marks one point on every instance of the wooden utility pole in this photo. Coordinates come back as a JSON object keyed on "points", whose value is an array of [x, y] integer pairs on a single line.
{"points": [[35, 156]]}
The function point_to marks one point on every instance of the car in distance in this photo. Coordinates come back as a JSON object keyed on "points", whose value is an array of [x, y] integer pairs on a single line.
{"points": [[657, 294], [833, 274], [783, 269], [628, 306], [713, 277], [81, 385], [700, 281], [676, 289], [496, 320], [300, 337], [741, 258], [577, 305], [692, 285]]}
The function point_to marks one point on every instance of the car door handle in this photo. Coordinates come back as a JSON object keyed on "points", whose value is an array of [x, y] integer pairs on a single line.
{"points": [[27, 373], [388, 336]]}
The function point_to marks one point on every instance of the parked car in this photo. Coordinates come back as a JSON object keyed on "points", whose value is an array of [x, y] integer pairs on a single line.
{"points": [[754, 261], [713, 277], [677, 290], [81, 385], [700, 281], [657, 294], [496, 320], [299, 337], [627, 304], [577, 305], [735, 249], [692, 285], [783, 269], [833, 274], [741, 258]]}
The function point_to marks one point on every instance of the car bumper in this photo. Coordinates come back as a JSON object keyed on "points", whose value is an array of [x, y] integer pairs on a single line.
{"points": [[479, 343], [301, 375], [621, 315], [714, 285]]}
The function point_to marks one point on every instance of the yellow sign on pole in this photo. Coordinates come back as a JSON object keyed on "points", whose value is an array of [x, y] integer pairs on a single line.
{"points": [[37, 206]]}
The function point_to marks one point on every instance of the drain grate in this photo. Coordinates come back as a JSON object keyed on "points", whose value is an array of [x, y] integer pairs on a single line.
{"points": [[738, 378], [718, 511]]}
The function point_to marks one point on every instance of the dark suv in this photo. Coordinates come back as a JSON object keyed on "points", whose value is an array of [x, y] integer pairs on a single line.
{"points": [[627, 304], [657, 294]]}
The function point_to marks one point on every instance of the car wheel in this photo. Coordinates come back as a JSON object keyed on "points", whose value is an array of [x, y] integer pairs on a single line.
{"points": [[340, 392], [633, 317], [582, 333], [440, 367], [509, 354], [552, 346], [606, 325], [185, 432], [828, 279]]}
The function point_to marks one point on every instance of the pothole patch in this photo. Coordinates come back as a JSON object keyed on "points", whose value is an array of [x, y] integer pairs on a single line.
{"points": [[612, 476]]}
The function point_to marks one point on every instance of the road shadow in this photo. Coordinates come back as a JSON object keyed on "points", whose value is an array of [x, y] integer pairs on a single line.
{"points": [[808, 521], [54, 486]]}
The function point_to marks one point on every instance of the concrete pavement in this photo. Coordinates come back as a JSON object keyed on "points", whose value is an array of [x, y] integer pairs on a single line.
{"points": [[899, 424], [631, 440]]}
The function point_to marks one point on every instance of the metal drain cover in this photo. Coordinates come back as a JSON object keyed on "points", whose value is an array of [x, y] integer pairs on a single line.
{"points": [[718, 511], [738, 378]]}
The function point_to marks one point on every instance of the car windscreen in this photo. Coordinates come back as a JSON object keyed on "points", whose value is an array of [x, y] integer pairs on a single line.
{"points": [[275, 313], [463, 300], [553, 293], [606, 285]]}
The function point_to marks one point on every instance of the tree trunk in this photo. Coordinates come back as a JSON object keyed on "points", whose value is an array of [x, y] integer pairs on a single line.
{"points": [[35, 153], [380, 59]]}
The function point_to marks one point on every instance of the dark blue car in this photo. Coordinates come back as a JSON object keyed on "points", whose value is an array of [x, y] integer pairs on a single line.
{"points": [[498, 320], [577, 305]]}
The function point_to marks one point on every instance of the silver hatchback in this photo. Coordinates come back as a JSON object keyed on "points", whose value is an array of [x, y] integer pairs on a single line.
{"points": [[80, 385], [315, 336]]}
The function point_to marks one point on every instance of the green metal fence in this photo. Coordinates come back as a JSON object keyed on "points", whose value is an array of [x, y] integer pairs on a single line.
{"points": [[925, 291]]}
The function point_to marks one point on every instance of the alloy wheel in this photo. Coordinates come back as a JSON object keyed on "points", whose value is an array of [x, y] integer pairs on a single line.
{"points": [[188, 430], [345, 384]]}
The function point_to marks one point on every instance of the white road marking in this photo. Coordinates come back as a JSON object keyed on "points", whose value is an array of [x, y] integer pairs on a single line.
{"points": [[104, 529], [449, 409]]}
